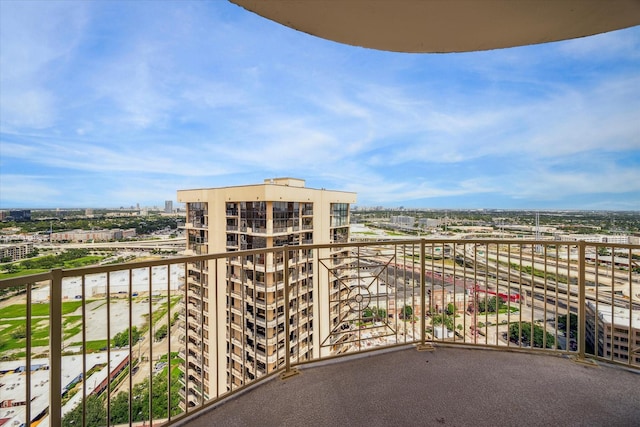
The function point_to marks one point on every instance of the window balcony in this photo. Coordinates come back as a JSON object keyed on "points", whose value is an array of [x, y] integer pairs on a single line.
{"points": [[513, 328]]}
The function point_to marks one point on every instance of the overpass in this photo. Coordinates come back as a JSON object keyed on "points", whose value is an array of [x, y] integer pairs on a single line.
{"points": [[169, 244]]}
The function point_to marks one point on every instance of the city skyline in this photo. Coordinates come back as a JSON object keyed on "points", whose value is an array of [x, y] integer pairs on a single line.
{"points": [[114, 104]]}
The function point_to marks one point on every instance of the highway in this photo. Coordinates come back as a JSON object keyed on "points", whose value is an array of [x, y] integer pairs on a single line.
{"points": [[177, 243], [491, 270]]}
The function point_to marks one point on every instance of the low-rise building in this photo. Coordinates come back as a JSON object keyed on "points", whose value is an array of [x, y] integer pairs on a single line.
{"points": [[403, 220], [614, 332], [430, 222], [81, 236], [440, 298], [595, 238], [16, 251]]}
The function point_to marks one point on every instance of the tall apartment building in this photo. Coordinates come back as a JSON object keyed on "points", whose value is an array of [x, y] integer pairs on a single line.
{"points": [[234, 315]]}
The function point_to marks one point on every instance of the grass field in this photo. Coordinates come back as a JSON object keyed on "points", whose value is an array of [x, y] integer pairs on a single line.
{"points": [[75, 263], [23, 273], [8, 341], [92, 346], [13, 325], [37, 310]]}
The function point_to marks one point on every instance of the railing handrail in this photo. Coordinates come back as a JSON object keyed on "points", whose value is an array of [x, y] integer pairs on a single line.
{"points": [[72, 272]]}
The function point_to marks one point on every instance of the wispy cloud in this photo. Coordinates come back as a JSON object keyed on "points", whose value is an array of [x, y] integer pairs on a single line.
{"points": [[31, 59]]}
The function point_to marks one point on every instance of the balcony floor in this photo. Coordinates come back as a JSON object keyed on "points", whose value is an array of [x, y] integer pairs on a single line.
{"points": [[446, 387]]}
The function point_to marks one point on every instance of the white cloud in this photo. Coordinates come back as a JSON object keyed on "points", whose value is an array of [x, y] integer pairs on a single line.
{"points": [[36, 40], [603, 46], [30, 190], [544, 184]]}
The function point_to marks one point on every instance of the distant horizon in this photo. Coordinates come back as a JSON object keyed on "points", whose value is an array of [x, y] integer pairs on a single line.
{"points": [[119, 103], [358, 207]]}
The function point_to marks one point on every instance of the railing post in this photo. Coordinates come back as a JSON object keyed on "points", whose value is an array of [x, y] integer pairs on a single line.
{"points": [[55, 347], [288, 372], [582, 309], [423, 346], [582, 305]]}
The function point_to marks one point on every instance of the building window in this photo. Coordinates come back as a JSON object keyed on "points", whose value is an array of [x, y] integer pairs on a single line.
{"points": [[197, 214], [307, 209], [254, 216], [340, 235], [285, 215], [339, 214]]}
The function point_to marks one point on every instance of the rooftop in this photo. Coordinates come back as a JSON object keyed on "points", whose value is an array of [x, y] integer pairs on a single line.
{"points": [[620, 315]]}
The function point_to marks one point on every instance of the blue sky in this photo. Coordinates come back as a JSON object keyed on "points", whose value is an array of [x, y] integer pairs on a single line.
{"points": [[108, 104]]}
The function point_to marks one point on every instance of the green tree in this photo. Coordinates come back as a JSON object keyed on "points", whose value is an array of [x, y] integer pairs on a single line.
{"points": [[140, 401], [440, 319], [407, 312], [491, 305], [121, 339], [374, 313], [120, 408], [573, 322], [176, 315], [451, 308], [160, 333], [96, 413], [521, 333], [19, 333], [12, 268]]}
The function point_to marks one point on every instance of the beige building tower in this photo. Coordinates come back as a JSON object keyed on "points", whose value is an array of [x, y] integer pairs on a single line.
{"points": [[234, 313]]}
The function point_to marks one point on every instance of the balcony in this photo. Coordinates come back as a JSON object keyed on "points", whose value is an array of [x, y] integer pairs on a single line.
{"points": [[534, 332], [449, 386]]}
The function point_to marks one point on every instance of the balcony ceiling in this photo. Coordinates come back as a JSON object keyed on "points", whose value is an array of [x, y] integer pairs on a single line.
{"points": [[438, 26]]}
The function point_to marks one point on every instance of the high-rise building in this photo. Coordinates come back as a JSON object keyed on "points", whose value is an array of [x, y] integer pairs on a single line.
{"points": [[20, 215], [168, 206], [244, 317]]}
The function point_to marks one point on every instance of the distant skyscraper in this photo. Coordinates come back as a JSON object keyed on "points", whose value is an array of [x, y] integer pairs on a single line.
{"points": [[20, 215], [168, 206]]}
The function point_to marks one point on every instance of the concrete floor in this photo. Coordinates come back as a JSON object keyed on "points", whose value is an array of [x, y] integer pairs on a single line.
{"points": [[446, 387]]}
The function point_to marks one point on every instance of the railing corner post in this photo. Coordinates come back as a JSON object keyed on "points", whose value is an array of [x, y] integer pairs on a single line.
{"points": [[55, 347], [288, 371], [423, 346], [582, 303]]}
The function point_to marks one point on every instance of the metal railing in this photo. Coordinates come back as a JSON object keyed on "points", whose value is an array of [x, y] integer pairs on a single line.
{"points": [[150, 342]]}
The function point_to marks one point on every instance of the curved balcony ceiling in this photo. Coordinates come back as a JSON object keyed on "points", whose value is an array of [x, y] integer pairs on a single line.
{"points": [[439, 26]]}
